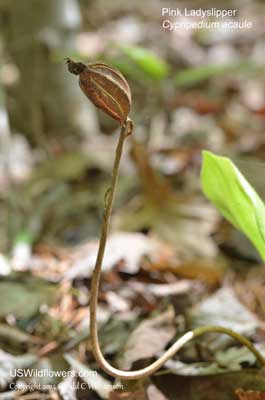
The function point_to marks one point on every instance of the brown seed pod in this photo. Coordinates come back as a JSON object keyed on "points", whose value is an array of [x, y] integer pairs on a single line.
{"points": [[105, 86]]}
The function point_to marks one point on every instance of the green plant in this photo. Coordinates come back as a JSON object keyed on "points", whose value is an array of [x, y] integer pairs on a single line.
{"points": [[109, 91], [230, 192]]}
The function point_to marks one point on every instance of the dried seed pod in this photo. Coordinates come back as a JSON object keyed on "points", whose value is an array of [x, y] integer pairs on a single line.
{"points": [[105, 86]]}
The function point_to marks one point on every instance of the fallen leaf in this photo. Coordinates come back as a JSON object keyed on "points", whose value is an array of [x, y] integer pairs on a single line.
{"points": [[92, 378], [14, 335], [52, 367], [116, 302], [213, 387], [123, 247], [185, 225], [24, 298], [193, 369], [9, 363], [224, 309], [148, 339], [138, 395], [205, 270], [154, 394], [164, 289], [228, 360], [249, 394], [66, 389], [234, 357], [169, 289], [251, 291]]}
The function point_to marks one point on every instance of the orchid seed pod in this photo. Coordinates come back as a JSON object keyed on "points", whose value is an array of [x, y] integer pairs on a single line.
{"points": [[105, 86], [109, 91]]}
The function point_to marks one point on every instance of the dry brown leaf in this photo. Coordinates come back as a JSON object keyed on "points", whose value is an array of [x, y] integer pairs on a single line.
{"points": [[154, 394], [208, 271], [249, 394], [251, 291], [223, 308], [122, 248], [148, 339], [163, 289], [139, 395]]}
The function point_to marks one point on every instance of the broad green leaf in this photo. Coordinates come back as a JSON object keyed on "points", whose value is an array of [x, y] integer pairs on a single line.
{"points": [[147, 61], [23, 298], [225, 186], [192, 76]]}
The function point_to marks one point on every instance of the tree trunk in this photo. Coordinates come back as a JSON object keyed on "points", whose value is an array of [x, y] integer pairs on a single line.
{"points": [[37, 36]]}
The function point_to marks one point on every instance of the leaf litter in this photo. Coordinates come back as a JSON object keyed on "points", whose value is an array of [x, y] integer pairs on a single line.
{"points": [[170, 264]]}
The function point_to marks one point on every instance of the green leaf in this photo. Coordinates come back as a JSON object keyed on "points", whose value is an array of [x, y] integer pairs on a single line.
{"points": [[192, 76], [225, 186], [24, 298], [147, 61]]}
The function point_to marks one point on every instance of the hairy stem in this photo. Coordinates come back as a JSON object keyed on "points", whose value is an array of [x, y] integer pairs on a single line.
{"points": [[156, 365]]}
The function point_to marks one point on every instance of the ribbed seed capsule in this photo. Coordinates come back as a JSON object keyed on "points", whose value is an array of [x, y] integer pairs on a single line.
{"points": [[105, 86]]}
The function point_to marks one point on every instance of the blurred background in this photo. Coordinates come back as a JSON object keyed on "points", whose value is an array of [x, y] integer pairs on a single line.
{"points": [[168, 249]]}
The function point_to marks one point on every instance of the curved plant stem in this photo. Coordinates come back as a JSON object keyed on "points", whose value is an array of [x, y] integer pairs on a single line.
{"points": [[152, 368]]}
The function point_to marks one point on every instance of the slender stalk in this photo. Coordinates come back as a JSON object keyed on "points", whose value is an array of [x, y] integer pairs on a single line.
{"points": [[152, 368]]}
